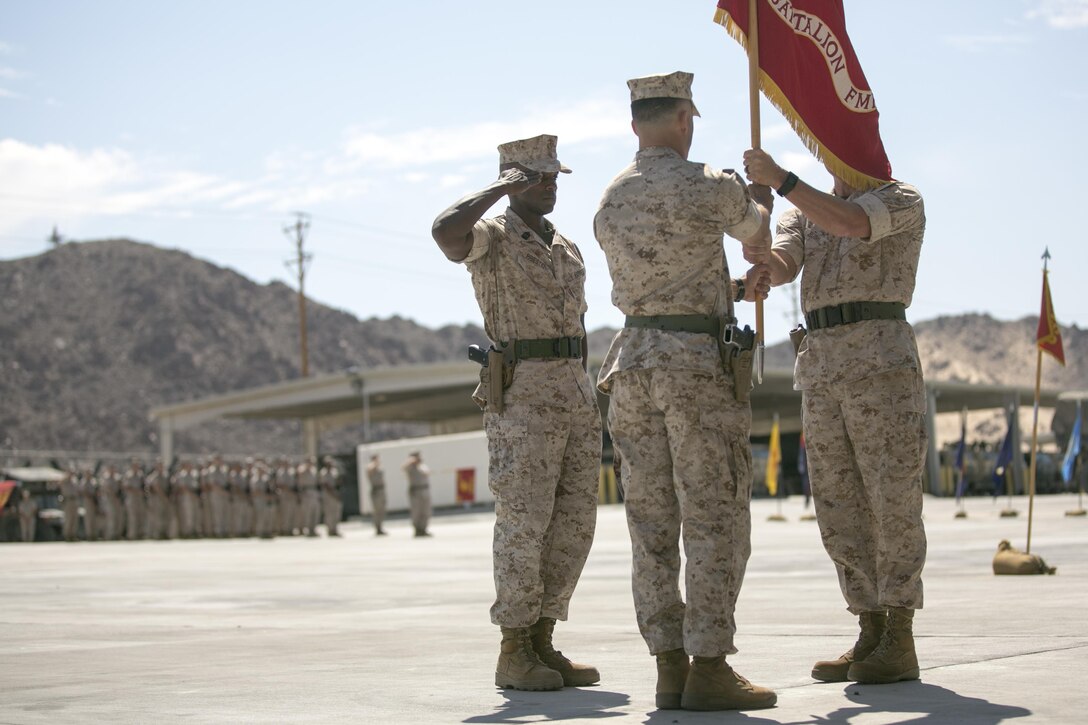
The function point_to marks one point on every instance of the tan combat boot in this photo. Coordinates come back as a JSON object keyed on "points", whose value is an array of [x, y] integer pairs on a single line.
{"points": [[519, 668], [894, 658], [672, 673], [574, 675], [872, 628], [713, 685]]}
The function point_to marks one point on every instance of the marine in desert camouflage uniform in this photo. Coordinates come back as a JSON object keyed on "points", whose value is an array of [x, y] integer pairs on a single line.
{"points": [[545, 444], [159, 509], [69, 492], [418, 474], [88, 496], [285, 479], [332, 502], [217, 498], [863, 401], [132, 483], [375, 476], [110, 506], [309, 496], [677, 416], [241, 508], [186, 487]]}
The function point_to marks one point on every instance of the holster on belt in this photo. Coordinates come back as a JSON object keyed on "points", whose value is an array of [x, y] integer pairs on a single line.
{"points": [[797, 336], [737, 349], [500, 365]]}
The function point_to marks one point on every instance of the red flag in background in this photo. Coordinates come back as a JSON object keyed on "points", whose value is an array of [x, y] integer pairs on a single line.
{"points": [[6, 487], [808, 70], [466, 485], [1049, 336]]}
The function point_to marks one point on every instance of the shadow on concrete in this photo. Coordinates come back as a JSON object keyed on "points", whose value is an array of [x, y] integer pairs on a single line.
{"points": [[575, 703], [919, 702], [670, 717]]}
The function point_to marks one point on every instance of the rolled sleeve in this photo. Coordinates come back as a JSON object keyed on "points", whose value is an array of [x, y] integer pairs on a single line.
{"points": [[740, 214], [880, 219], [481, 241], [892, 209], [789, 239], [749, 224]]}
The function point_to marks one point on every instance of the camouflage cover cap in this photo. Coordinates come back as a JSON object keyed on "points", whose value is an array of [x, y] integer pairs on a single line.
{"points": [[663, 85], [537, 153]]}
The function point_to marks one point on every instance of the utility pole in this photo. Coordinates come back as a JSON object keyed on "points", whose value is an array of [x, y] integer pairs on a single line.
{"points": [[55, 238], [297, 233]]}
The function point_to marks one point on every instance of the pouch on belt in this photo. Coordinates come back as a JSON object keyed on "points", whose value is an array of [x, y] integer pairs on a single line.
{"points": [[797, 336], [737, 349]]}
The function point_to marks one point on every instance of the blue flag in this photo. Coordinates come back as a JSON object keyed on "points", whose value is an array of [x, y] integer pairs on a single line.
{"points": [[1072, 450], [1004, 458]]}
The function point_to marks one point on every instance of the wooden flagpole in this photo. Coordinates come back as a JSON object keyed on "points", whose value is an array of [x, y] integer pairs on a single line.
{"points": [[753, 110], [1034, 442], [1035, 419]]}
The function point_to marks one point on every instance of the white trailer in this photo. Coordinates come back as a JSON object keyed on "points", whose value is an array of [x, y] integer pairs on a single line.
{"points": [[448, 457]]}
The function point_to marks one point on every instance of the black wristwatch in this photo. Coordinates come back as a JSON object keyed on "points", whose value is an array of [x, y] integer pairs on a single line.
{"points": [[739, 281]]}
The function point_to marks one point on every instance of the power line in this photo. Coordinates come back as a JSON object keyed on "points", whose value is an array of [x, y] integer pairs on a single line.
{"points": [[299, 229]]}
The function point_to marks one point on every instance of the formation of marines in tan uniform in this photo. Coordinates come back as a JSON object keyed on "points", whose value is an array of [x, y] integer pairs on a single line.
{"points": [[679, 377], [219, 499]]}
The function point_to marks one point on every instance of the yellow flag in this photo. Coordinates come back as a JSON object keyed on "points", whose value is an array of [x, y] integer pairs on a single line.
{"points": [[774, 458]]}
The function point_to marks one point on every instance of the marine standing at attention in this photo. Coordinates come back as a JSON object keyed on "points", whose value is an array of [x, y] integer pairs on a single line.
{"points": [[679, 376]]}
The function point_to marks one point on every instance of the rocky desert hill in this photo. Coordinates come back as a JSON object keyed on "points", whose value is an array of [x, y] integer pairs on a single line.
{"points": [[94, 334]]}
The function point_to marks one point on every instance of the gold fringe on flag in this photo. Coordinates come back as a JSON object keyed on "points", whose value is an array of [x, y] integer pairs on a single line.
{"points": [[778, 99]]}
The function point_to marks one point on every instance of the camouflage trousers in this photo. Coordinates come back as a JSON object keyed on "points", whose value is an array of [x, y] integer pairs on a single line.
{"points": [[866, 444], [311, 509], [544, 470], [686, 469], [333, 509], [419, 507], [378, 502]]}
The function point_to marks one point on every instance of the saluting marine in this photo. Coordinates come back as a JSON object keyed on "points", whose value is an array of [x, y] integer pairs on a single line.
{"points": [[541, 417]]}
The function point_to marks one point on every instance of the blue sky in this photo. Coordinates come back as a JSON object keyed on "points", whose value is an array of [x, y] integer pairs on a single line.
{"points": [[203, 125]]}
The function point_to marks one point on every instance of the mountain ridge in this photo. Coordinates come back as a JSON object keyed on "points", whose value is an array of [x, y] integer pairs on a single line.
{"points": [[94, 334]]}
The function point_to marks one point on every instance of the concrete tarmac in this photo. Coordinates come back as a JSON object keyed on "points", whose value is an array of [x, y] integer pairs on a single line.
{"points": [[395, 629]]}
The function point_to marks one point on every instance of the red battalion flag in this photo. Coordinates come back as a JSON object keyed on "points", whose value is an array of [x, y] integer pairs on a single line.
{"points": [[808, 70], [466, 485], [1049, 336]]}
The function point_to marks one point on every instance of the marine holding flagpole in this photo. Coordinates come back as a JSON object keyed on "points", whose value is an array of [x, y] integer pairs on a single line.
{"points": [[679, 377], [863, 397]]}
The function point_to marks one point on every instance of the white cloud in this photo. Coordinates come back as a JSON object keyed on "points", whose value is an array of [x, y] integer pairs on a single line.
{"points": [[38, 182], [586, 121], [5, 48], [11, 73], [1061, 14], [979, 43], [5, 93]]}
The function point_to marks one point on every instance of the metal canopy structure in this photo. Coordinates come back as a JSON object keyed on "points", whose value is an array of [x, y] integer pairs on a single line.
{"points": [[428, 393], [439, 394]]}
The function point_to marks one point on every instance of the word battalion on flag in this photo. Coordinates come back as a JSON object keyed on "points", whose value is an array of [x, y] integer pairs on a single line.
{"points": [[809, 71]]}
